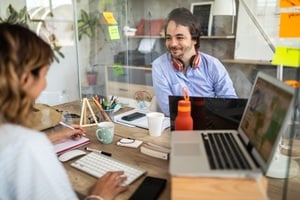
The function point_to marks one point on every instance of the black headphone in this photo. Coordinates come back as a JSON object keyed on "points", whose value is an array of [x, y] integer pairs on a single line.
{"points": [[179, 65]]}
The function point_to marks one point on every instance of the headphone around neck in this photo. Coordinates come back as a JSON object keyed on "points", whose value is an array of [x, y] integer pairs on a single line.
{"points": [[179, 65]]}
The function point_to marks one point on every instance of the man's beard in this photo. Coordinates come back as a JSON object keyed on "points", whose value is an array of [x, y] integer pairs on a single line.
{"points": [[172, 49]]}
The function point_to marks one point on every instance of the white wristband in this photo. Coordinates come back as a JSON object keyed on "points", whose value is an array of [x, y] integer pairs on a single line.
{"points": [[93, 197]]}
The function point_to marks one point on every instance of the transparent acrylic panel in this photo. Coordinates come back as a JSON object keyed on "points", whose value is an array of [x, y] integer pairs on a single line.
{"points": [[292, 139], [53, 21]]}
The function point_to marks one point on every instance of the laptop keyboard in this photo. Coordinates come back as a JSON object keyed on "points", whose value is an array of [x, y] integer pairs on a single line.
{"points": [[223, 151]]}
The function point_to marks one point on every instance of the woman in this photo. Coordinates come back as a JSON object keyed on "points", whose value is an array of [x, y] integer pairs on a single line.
{"points": [[29, 166]]}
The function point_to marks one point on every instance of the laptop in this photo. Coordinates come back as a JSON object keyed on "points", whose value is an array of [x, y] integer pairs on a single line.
{"points": [[245, 152], [210, 112]]}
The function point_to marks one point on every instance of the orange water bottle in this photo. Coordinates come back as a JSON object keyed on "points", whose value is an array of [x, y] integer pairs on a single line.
{"points": [[184, 120]]}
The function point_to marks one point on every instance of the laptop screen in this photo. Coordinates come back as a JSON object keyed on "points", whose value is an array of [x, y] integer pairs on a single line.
{"points": [[211, 113], [266, 113]]}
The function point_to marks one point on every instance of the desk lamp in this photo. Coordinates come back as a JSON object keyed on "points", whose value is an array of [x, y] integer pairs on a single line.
{"points": [[225, 7]]}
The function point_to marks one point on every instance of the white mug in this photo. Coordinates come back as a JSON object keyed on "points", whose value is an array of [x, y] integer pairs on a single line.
{"points": [[155, 121]]}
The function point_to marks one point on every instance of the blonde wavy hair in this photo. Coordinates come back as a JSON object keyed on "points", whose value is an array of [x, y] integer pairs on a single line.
{"points": [[21, 51]]}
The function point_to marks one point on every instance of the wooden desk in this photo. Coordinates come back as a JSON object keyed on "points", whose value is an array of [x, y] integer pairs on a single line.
{"points": [[155, 167], [82, 182]]}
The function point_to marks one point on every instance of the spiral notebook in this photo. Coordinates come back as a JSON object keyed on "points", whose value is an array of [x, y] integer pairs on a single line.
{"points": [[140, 122]]}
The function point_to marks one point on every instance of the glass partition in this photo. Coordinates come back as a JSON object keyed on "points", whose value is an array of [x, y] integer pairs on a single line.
{"points": [[105, 48]]}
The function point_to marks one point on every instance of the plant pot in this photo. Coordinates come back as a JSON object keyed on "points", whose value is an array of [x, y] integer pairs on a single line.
{"points": [[91, 78]]}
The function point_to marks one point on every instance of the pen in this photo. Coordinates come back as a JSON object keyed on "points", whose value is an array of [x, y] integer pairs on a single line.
{"points": [[124, 124], [68, 126], [97, 151]]}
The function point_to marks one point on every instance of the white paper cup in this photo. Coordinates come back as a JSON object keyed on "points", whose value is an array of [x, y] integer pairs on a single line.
{"points": [[155, 120]]}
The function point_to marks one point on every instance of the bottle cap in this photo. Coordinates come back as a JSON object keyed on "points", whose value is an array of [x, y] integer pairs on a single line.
{"points": [[184, 106]]}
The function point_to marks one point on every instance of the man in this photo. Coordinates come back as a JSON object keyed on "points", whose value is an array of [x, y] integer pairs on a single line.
{"points": [[183, 65]]}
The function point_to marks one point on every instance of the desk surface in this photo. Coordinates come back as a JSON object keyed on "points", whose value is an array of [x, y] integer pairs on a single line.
{"points": [[82, 182]]}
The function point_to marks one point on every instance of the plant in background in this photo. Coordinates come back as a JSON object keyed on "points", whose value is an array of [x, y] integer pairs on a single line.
{"points": [[86, 25], [22, 18], [15, 17]]}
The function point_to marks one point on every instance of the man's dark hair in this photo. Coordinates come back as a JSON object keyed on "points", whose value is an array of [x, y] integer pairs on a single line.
{"points": [[182, 16]]}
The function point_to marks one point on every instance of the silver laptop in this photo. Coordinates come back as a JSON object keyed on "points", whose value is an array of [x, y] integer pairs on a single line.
{"points": [[246, 152]]}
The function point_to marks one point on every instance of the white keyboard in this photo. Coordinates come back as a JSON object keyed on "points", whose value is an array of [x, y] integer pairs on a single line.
{"points": [[97, 165]]}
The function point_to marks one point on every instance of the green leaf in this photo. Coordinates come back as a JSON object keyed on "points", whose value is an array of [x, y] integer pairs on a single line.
{"points": [[89, 32]]}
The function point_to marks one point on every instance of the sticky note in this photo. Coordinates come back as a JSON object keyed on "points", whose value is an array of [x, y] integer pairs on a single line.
{"points": [[289, 3], [109, 17], [286, 56], [114, 32], [118, 70], [289, 24]]}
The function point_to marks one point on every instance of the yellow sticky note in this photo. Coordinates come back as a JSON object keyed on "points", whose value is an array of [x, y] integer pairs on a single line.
{"points": [[286, 56], [289, 3], [114, 32], [109, 17], [289, 24]]}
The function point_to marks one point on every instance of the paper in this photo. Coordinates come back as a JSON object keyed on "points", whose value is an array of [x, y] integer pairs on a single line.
{"points": [[289, 3], [70, 144], [114, 32], [289, 24], [109, 17], [286, 56], [146, 45], [141, 122]]}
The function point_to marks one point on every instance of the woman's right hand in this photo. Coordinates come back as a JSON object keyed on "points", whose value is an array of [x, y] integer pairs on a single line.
{"points": [[109, 185]]}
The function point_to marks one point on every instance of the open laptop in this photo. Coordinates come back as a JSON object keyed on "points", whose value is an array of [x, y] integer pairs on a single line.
{"points": [[211, 112], [245, 152]]}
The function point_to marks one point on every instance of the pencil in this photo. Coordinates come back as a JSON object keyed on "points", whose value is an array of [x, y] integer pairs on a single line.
{"points": [[70, 127], [103, 113]]}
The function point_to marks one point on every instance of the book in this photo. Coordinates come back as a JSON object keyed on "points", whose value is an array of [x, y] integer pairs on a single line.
{"points": [[70, 144], [152, 27]]}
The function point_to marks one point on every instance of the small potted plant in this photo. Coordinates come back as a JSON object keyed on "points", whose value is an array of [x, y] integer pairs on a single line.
{"points": [[91, 75]]}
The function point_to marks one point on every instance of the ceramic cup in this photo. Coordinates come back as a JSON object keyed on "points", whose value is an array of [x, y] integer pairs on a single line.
{"points": [[105, 132], [155, 120]]}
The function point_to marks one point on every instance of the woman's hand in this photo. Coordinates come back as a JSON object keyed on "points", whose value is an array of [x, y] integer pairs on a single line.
{"points": [[66, 133], [109, 185]]}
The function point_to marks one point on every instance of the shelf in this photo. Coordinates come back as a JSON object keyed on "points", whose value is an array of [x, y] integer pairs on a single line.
{"points": [[244, 61], [147, 68], [146, 36], [201, 37], [218, 37]]}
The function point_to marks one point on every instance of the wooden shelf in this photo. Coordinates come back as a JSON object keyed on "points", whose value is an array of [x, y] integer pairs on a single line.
{"points": [[146, 36], [201, 37], [244, 61], [218, 37]]}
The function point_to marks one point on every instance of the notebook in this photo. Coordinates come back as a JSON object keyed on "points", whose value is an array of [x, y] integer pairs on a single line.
{"points": [[211, 113], [141, 122], [245, 152], [70, 144]]}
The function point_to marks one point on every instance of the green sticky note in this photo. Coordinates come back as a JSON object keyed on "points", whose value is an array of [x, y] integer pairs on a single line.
{"points": [[114, 32], [118, 70], [286, 56]]}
